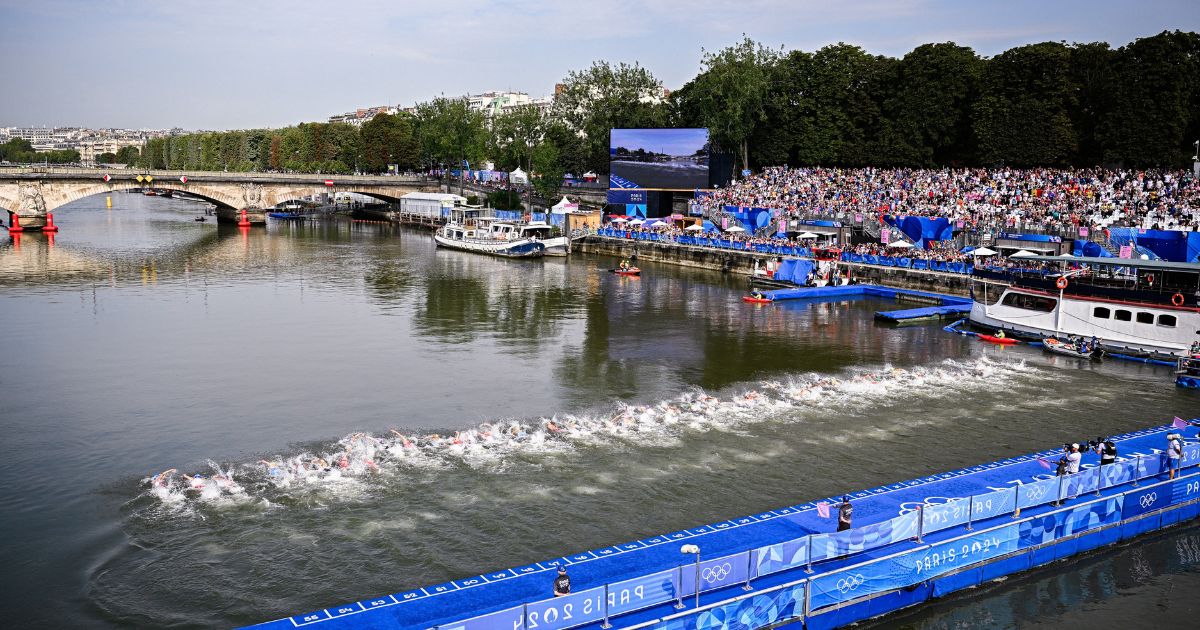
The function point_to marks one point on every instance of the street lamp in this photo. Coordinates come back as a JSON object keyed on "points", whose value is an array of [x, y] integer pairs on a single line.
{"points": [[693, 549]]}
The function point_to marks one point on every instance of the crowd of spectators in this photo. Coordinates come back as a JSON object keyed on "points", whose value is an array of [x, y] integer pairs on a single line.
{"points": [[1043, 200]]}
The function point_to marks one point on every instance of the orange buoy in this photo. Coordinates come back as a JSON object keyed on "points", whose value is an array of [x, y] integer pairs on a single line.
{"points": [[244, 222], [50, 227], [15, 228]]}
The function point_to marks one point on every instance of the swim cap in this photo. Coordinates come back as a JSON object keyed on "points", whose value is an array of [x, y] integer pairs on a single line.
{"points": [[562, 569]]}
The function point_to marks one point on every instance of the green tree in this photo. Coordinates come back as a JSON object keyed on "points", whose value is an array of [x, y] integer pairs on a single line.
{"points": [[605, 97], [450, 133], [515, 133], [388, 139], [546, 175], [106, 158], [1154, 87], [936, 87], [128, 155], [729, 96], [1023, 117]]}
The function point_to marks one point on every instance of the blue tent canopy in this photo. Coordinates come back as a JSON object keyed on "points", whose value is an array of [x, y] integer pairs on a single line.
{"points": [[794, 270], [920, 230]]}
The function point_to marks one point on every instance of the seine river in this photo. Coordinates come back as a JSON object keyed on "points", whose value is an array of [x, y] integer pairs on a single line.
{"points": [[141, 340]]}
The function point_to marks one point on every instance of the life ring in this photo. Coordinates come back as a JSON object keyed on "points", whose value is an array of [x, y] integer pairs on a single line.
{"points": [[1061, 283], [1149, 278], [1177, 299]]}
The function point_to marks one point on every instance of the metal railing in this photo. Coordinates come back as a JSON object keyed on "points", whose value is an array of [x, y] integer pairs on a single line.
{"points": [[803, 552]]}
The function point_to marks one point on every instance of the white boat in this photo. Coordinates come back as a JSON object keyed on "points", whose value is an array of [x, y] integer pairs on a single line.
{"points": [[1144, 307], [484, 236], [541, 231]]}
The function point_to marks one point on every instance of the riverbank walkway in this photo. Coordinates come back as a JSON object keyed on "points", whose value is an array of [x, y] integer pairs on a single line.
{"points": [[645, 580]]}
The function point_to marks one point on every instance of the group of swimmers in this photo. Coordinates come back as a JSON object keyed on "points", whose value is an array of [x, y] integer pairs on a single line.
{"points": [[364, 456]]}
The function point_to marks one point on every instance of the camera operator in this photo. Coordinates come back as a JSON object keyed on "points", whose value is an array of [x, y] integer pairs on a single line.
{"points": [[1106, 449]]}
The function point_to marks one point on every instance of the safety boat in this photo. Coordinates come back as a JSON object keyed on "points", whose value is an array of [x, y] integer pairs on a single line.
{"points": [[1137, 307], [630, 271], [543, 232], [755, 300], [484, 236], [1054, 346], [1004, 341]]}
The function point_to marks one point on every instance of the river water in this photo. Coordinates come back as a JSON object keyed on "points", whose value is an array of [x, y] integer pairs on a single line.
{"points": [[140, 340]]}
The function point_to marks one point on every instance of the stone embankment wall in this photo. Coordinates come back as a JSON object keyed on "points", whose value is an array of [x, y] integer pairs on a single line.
{"points": [[742, 262]]}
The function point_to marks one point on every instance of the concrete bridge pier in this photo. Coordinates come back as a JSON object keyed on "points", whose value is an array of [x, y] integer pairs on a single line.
{"points": [[29, 222], [256, 216]]}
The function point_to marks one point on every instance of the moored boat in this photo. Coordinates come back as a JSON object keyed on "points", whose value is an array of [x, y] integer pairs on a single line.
{"points": [[755, 300], [543, 232], [483, 236], [1139, 307]]}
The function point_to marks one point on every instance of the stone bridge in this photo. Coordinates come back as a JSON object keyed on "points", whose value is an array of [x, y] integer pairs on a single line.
{"points": [[31, 193]]}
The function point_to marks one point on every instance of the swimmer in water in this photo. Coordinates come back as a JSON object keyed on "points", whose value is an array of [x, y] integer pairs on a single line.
{"points": [[197, 482], [163, 479], [272, 469]]}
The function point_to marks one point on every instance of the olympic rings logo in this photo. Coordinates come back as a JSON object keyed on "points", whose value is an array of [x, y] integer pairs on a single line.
{"points": [[847, 584], [1035, 493], [1148, 499], [716, 573]]}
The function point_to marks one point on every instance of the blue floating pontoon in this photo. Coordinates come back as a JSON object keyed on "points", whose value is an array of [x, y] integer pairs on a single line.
{"points": [[912, 541]]}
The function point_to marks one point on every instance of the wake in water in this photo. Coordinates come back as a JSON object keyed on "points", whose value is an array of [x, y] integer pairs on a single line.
{"points": [[356, 460]]}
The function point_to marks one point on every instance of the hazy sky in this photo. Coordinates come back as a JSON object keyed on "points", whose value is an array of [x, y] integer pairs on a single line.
{"points": [[221, 64]]}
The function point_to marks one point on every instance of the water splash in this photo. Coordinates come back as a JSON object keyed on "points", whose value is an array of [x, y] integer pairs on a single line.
{"points": [[351, 468]]}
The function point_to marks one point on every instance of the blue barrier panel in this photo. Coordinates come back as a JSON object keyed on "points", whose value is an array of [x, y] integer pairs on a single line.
{"points": [[1050, 527], [1037, 493], [509, 619], [1185, 490], [1153, 466], [757, 611], [871, 260], [1082, 482], [1190, 456], [826, 546], [945, 515], [780, 556], [1119, 473], [716, 573], [904, 262], [1146, 500], [567, 611], [641, 592], [907, 569], [993, 504]]}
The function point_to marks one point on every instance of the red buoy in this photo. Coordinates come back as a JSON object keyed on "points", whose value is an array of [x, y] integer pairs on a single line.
{"points": [[15, 228], [50, 227], [244, 222]]}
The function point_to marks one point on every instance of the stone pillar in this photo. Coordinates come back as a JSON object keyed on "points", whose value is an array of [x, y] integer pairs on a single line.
{"points": [[256, 216], [31, 207]]}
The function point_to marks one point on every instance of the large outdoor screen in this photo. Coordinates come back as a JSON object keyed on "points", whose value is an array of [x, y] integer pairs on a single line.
{"points": [[658, 159]]}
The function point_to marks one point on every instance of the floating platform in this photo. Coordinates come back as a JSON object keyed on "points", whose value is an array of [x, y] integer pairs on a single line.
{"points": [[913, 541], [942, 306], [928, 313]]}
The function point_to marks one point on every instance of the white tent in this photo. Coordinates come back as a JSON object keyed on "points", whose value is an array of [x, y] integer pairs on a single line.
{"points": [[659, 224], [564, 206], [518, 176], [983, 251], [808, 235], [1024, 253], [636, 222], [899, 245], [695, 227], [619, 220], [735, 228]]}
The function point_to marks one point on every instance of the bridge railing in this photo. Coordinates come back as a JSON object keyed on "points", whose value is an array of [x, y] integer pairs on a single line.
{"points": [[19, 172]]}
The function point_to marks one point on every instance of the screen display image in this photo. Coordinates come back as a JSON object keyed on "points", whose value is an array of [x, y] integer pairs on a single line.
{"points": [[659, 159]]}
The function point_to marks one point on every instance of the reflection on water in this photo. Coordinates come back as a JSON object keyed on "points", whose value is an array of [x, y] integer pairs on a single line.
{"points": [[140, 340]]}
